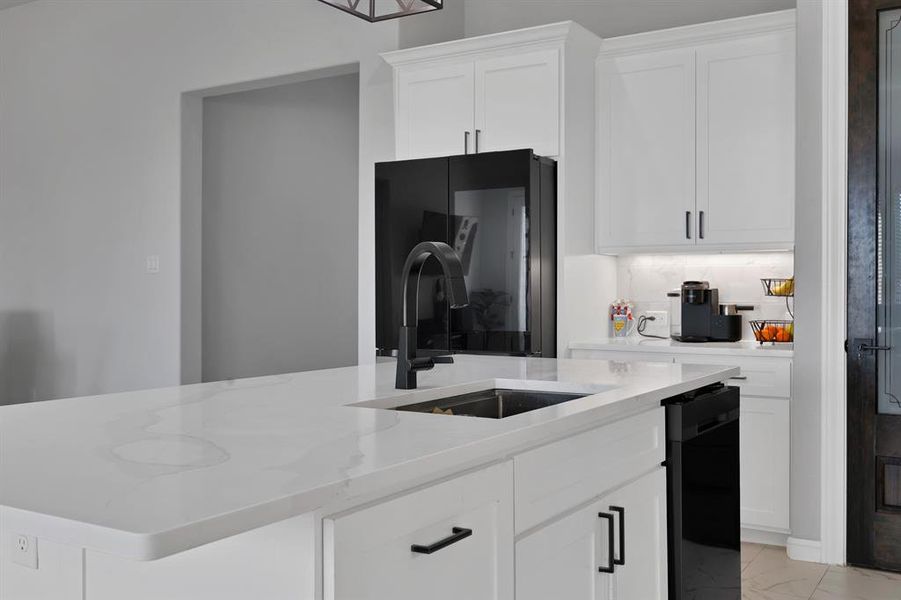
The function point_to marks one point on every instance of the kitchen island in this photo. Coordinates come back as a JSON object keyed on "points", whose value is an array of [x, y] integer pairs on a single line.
{"points": [[308, 485]]}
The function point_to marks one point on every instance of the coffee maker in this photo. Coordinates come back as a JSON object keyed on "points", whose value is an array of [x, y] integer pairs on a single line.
{"points": [[702, 317]]}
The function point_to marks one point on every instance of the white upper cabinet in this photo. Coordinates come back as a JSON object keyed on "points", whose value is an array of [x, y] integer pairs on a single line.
{"points": [[434, 111], [696, 137], [517, 102], [746, 140], [646, 164], [503, 91]]}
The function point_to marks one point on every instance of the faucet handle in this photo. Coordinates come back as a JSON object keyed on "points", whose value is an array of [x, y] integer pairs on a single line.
{"points": [[446, 360], [422, 363]]}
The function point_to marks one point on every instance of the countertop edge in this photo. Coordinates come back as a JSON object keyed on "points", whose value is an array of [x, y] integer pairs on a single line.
{"points": [[636, 346]]}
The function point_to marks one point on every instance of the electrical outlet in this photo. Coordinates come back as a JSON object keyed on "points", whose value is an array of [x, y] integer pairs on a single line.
{"points": [[24, 550], [660, 324]]}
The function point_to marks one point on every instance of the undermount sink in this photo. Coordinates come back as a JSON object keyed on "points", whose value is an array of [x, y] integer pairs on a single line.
{"points": [[493, 403]]}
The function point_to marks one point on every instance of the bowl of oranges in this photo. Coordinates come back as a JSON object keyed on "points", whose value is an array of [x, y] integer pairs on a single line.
{"points": [[773, 331]]}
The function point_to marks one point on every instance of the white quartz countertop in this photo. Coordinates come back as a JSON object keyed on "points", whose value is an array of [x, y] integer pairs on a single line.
{"points": [[634, 343], [150, 473]]}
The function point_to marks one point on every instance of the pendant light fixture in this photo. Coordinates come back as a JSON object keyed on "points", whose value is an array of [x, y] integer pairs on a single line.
{"points": [[381, 10]]}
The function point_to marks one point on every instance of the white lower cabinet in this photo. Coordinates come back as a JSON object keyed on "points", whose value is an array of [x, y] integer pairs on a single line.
{"points": [[644, 572], [561, 560], [382, 552], [570, 557], [455, 539], [765, 468], [765, 444]]}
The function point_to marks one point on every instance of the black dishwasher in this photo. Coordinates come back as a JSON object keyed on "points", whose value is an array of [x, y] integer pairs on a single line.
{"points": [[703, 503]]}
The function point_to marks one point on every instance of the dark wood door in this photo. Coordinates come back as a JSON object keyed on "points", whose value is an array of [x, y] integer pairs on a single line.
{"points": [[874, 284]]}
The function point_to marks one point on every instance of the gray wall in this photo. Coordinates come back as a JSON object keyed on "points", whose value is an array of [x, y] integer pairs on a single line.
{"points": [[607, 18], [280, 211], [432, 27], [806, 392], [90, 169]]}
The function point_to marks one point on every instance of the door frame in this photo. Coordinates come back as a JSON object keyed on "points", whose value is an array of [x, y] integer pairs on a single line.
{"points": [[190, 211], [833, 374]]}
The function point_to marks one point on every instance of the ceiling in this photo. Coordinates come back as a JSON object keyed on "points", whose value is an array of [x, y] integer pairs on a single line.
{"points": [[9, 3]]}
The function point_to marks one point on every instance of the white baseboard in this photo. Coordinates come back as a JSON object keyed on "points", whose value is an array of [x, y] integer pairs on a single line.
{"points": [[806, 550], [759, 536]]}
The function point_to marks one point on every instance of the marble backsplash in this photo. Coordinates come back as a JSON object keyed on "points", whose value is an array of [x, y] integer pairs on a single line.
{"points": [[645, 280]]}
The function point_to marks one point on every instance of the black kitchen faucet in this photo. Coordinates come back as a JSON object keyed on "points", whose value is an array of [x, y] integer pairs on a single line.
{"points": [[407, 361]]}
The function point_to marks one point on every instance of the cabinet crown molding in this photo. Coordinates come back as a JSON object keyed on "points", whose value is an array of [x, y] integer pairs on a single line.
{"points": [[518, 38], [700, 33]]}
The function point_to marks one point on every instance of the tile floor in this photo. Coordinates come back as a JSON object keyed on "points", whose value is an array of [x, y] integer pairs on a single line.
{"points": [[768, 574]]}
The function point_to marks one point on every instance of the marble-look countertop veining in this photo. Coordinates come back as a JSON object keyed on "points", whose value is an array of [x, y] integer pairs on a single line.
{"points": [[635, 343], [150, 473]]}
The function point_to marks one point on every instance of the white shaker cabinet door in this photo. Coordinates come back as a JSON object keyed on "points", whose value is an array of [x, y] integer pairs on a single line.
{"points": [[765, 453], [640, 511], [434, 110], [561, 560], [646, 150], [379, 553], [569, 558], [746, 140], [517, 102]]}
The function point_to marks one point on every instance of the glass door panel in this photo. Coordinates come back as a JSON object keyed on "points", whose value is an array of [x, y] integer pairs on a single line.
{"points": [[410, 207], [888, 267], [490, 230]]}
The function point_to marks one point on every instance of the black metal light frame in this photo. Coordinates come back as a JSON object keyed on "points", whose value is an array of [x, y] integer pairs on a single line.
{"points": [[405, 8]]}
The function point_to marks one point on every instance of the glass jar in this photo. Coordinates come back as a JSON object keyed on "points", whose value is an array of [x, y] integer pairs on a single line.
{"points": [[675, 313]]}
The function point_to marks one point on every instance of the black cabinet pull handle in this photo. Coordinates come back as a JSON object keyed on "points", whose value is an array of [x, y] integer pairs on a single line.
{"points": [[458, 534], [687, 224], [622, 535], [478, 132], [611, 562], [465, 142], [701, 224], [740, 377]]}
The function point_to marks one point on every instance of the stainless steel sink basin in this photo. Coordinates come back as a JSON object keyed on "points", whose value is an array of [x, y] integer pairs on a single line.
{"points": [[494, 403]]}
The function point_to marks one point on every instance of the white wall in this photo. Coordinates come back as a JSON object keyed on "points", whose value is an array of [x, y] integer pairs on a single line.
{"points": [[90, 108], [608, 18], [279, 250]]}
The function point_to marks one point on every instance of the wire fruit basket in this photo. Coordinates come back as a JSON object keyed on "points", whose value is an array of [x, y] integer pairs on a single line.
{"points": [[773, 331], [782, 287], [779, 286]]}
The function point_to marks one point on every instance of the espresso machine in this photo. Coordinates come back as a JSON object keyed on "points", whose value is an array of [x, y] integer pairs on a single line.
{"points": [[703, 319]]}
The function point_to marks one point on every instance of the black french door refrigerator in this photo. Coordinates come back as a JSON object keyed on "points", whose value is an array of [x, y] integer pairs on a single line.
{"points": [[498, 211]]}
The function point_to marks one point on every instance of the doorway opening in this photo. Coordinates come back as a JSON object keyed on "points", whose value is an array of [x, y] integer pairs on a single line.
{"points": [[269, 227]]}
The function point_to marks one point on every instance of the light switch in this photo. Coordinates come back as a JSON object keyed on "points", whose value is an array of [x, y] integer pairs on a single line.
{"points": [[153, 263]]}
